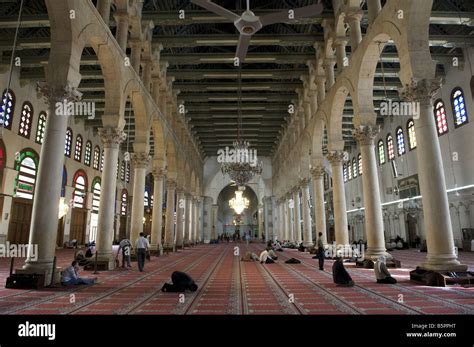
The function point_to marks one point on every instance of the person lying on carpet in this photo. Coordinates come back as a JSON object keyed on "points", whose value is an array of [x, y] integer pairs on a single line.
{"points": [[181, 282], [70, 276], [381, 272], [340, 275], [249, 256]]}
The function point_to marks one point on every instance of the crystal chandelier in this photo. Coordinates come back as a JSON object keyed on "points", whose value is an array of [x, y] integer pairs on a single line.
{"points": [[239, 203], [241, 163]]}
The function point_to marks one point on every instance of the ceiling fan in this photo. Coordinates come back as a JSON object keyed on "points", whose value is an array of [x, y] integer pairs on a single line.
{"points": [[248, 23]]}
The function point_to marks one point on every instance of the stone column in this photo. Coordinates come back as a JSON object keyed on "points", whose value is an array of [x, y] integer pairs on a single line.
{"points": [[374, 7], [121, 34], [340, 45], [111, 139], [197, 236], [353, 17], [317, 173], [281, 216], [157, 219], [103, 6], [329, 68], [260, 222], [44, 218], [297, 215], [336, 159], [307, 232], [140, 164], [187, 220], [286, 204], [320, 82], [180, 206], [373, 209], [136, 46], [307, 112], [215, 210], [148, 64], [170, 205], [441, 253]]}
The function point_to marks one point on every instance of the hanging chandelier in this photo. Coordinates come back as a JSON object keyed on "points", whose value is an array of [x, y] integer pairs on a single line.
{"points": [[240, 162], [239, 203]]}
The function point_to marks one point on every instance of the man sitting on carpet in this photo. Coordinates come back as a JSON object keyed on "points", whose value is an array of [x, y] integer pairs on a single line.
{"points": [[266, 258], [381, 272], [340, 275], [180, 282], [70, 276]]}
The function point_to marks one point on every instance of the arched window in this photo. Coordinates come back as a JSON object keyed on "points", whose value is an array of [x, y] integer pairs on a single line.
{"points": [[411, 134], [26, 120], [102, 161], [440, 116], [68, 143], [118, 167], [400, 142], [64, 182], [146, 197], [79, 195], [359, 159], [26, 165], [459, 107], [390, 150], [78, 149], [124, 204], [349, 170], [127, 173], [3, 159], [95, 195], [344, 172], [88, 153], [6, 109], [95, 164], [354, 168], [122, 170], [40, 128], [381, 152]]}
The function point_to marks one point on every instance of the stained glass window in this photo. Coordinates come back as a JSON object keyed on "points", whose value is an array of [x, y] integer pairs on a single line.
{"points": [[127, 173], [354, 168], [80, 189], [390, 150], [359, 159], [68, 143], [6, 109], [88, 153], [124, 205], [122, 170], [400, 142], [26, 165], [459, 107], [411, 134], [78, 149], [95, 164], [349, 170], [26, 120], [344, 172], [381, 150], [102, 161], [440, 116], [41, 128]]}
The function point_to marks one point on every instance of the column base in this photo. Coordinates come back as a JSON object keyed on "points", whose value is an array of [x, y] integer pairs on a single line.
{"points": [[42, 269], [207, 241], [170, 247], [308, 244], [443, 262], [104, 263], [375, 253], [156, 250]]}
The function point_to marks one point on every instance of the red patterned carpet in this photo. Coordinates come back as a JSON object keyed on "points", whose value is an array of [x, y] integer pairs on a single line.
{"points": [[230, 286]]}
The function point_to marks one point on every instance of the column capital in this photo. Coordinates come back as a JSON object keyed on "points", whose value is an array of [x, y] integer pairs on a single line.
{"points": [[329, 62], [112, 137], [55, 94], [337, 157], [340, 41], [365, 134], [317, 172], [420, 89], [140, 159], [295, 189], [353, 14], [170, 183], [304, 183], [159, 173]]}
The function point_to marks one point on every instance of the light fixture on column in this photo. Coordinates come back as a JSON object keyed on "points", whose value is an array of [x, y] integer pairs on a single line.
{"points": [[239, 203], [63, 208]]}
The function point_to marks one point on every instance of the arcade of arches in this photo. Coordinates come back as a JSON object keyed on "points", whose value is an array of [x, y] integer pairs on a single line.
{"points": [[320, 103]]}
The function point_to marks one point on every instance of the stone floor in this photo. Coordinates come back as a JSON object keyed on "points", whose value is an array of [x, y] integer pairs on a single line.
{"points": [[230, 286]]}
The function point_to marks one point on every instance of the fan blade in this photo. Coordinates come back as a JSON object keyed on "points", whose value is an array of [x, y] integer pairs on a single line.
{"points": [[283, 17], [210, 6], [243, 47]]}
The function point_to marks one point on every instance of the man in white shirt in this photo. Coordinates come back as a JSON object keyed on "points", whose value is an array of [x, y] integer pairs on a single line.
{"points": [[142, 246]]}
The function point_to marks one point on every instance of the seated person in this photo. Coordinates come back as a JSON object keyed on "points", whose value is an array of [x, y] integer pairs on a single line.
{"points": [[340, 275], [89, 252], [381, 272], [301, 248], [250, 256], [272, 254], [265, 258], [181, 282], [70, 276], [277, 246], [82, 260]]}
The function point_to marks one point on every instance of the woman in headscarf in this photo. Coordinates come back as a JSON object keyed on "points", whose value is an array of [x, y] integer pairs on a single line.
{"points": [[340, 275], [381, 272]]}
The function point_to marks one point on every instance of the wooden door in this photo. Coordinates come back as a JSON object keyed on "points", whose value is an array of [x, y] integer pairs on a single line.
{"points": [[20, 220], [123, 228], [78, 225], [60, 237]]}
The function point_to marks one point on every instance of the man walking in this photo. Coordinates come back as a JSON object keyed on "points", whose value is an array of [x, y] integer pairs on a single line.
{"points": [[321, 251], [142, 247]]}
